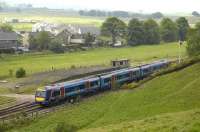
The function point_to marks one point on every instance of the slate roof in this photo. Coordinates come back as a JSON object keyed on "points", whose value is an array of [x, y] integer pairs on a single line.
{"points": [[83, 29], [8, 36]]}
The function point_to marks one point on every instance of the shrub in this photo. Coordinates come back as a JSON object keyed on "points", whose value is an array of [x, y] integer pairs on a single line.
{"points": [[20, 73], [56, 46], [72, 67]]}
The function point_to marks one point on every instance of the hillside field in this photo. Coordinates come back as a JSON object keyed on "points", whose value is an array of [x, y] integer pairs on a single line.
{"points": [[166, 103], [49, 18], [40, 62]]}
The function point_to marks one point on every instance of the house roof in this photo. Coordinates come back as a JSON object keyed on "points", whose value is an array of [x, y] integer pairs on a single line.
{"points": [[83, 29], [8, 36], [90, 29]]}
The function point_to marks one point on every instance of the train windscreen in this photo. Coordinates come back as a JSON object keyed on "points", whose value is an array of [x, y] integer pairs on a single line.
{"points": [[40, 94]]}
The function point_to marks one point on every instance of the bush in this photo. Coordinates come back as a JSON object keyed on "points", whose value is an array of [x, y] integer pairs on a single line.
{"points": [[56, 46], [20, 73], [193, 41], [73, 67]]}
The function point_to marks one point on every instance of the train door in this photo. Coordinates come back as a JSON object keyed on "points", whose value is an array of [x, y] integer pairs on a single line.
{"points": [[87, 85], [113, 82], [62, 92], [131, 76]]}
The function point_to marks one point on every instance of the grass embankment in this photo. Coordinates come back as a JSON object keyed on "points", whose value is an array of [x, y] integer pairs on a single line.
{"points": [[34, 63], [175, 92], [187, 121]]}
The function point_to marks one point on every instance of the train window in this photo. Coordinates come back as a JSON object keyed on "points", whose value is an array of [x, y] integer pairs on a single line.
{"points": [[93, 84], [70, 89], [134, 73], [119, 77], [40, 94], [48, 93], [81, 86], [107, 80], [56, 93]]}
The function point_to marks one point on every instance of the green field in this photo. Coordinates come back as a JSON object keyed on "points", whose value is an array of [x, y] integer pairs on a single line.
{"points": [[138, 109], [49, 18], [34, 63]]}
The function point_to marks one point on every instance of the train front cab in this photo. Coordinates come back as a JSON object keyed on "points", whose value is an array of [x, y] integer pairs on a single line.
{"points": [[41, 97]]}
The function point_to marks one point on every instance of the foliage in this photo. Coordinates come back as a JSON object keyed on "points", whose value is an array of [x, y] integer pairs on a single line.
{"points": [[20, 73], [113, 27], [56, 46], [89, 38], [33, 45], [183, 27], [6, 27], [135, 33], [43, 39], [195, 13], [152, 32], [157, 15], [169, 30], [193, 41]]}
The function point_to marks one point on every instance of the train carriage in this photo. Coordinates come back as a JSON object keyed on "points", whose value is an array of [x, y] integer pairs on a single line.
{"points": [[72, 89]]}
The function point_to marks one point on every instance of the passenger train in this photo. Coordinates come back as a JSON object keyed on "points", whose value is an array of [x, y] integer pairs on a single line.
{"points": [[72, 89]]}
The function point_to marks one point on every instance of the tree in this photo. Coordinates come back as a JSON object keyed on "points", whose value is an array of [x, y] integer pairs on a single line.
{"points": [[32, 43], [183, 27], [43, 39], [152, 32], [6, 28], [193, 41], [157, 15], [89, 38], [56, 46], [135, 33], [169, 30], [196, 14], [113, 27]]}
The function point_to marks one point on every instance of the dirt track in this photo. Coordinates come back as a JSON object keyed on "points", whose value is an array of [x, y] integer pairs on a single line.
{"points": [[20, 98]]}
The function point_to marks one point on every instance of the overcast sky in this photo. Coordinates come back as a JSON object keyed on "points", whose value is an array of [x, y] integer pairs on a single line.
{"points": [[165, 6]]}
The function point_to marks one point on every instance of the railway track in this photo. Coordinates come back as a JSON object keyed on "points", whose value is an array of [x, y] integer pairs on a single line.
{"points": [[25, 107]]}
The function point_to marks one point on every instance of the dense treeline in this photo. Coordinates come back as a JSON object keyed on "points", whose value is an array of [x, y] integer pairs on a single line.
{"points": [[123, 14], [145, 32], [193, 41]]}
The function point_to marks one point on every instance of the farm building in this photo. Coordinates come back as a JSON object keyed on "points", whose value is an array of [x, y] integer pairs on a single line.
{"points": [[120, 63], [8, 40]]}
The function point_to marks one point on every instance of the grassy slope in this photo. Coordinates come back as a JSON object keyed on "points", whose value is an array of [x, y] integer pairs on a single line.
{"points": [[187, 121], [38, 63], [175, 92]]}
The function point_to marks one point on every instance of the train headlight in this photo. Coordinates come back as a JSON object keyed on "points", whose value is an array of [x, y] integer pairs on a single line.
{"points": [[39, 99]]}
